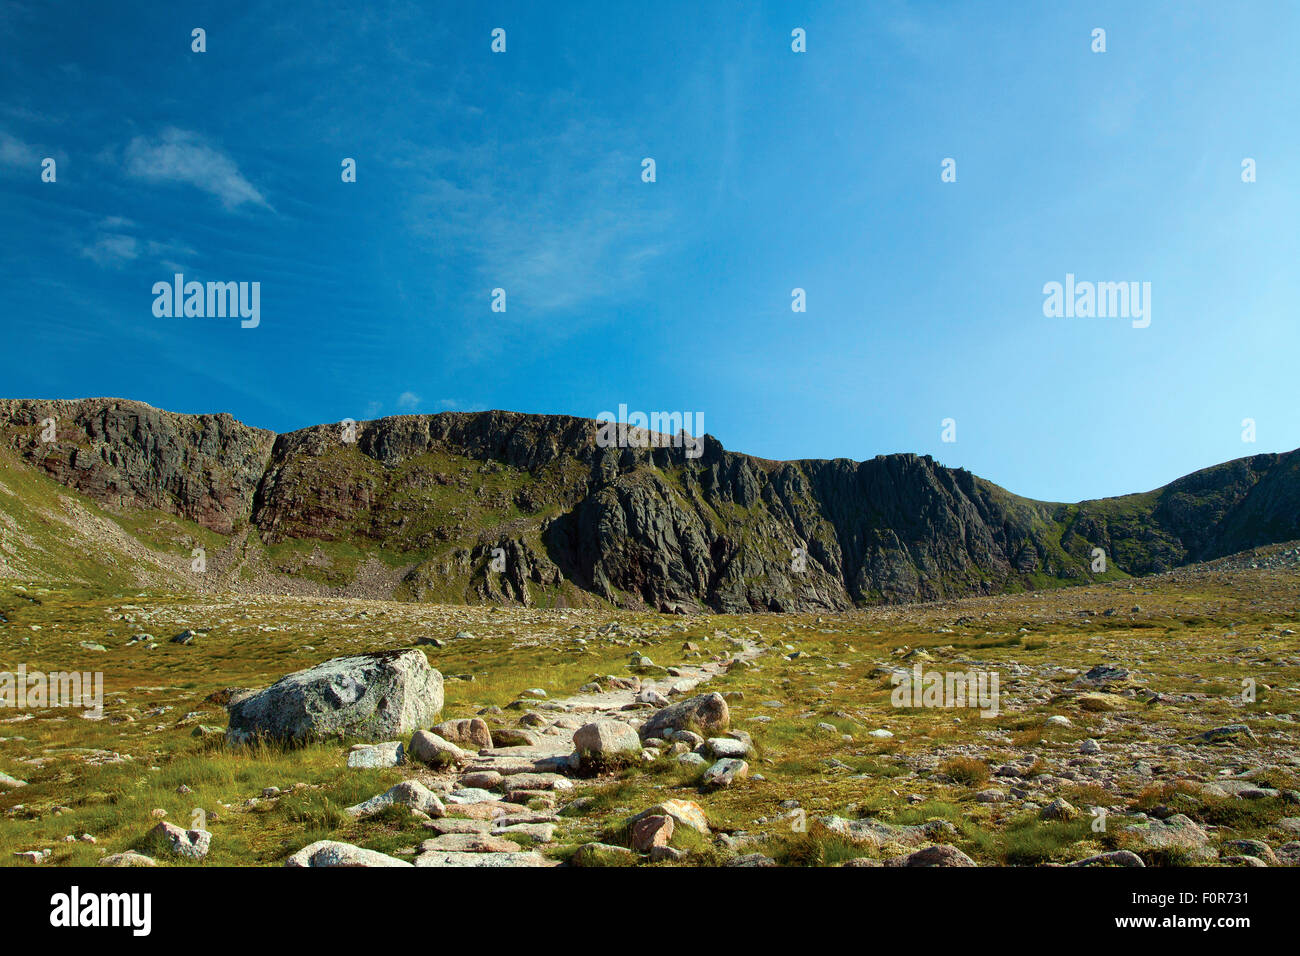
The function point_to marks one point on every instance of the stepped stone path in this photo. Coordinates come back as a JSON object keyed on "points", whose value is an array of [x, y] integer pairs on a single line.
{"points": [[485, 797]]}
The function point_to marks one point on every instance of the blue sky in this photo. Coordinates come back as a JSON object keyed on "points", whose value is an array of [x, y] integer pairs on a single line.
{"points": [[775, 170]]}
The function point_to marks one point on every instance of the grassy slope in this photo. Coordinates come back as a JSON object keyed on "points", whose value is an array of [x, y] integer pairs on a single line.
{"points": [[156, 698]]}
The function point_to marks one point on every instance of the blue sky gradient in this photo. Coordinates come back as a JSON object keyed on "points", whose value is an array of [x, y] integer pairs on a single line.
{"points": [[775, 170]]}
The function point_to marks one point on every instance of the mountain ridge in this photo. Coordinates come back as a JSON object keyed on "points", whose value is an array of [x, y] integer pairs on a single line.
{"points": [[510, 507]]}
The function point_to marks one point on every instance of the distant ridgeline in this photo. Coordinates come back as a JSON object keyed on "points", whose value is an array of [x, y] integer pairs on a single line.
{"points": [[536, 509]]}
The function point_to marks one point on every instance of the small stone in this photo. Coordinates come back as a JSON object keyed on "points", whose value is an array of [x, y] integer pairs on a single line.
{"points": [[472, 732], [684, 813], [941, 854], [468, 843], [601, 854], [725, 772], [651, 832], [1113, 858], [428, 748], [726, 747], [329, 853], [371, 756], [409, 793], [481, 779], [191, 844], [1058, 809]]}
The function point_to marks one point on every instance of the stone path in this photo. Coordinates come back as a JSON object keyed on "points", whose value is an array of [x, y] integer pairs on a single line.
{"points": [[513, 791]]}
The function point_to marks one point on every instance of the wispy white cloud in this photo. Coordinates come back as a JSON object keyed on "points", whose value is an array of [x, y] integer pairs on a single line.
{"points": [[113, 246], [15, 152], [558, 221], [409, 401], [181, 156], [112, 249]]}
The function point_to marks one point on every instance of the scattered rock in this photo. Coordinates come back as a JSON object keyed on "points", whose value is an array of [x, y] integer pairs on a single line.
{"points": [[725, 772], [941, 854], [428, 748], [705, 714], [332, 853], [601, 854], [1058, 809], [191, 844], [468, 843], [367, 756], [1177, 833], [410, 793], [1230, 733], [472, 732], [684, 813], [605, 739], [1112, 858], [650, 832], [727, 747]]}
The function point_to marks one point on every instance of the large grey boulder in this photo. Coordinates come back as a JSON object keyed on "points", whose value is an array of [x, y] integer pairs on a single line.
{"points": [[706, 713], [375, 696]]}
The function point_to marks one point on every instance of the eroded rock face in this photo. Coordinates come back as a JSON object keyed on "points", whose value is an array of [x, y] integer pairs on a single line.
{"points": [[370, 696], [202, 467]]}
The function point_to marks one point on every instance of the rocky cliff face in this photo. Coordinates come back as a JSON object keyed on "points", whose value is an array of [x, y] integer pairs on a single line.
{"points": [[202, 467], [500, 506]]}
